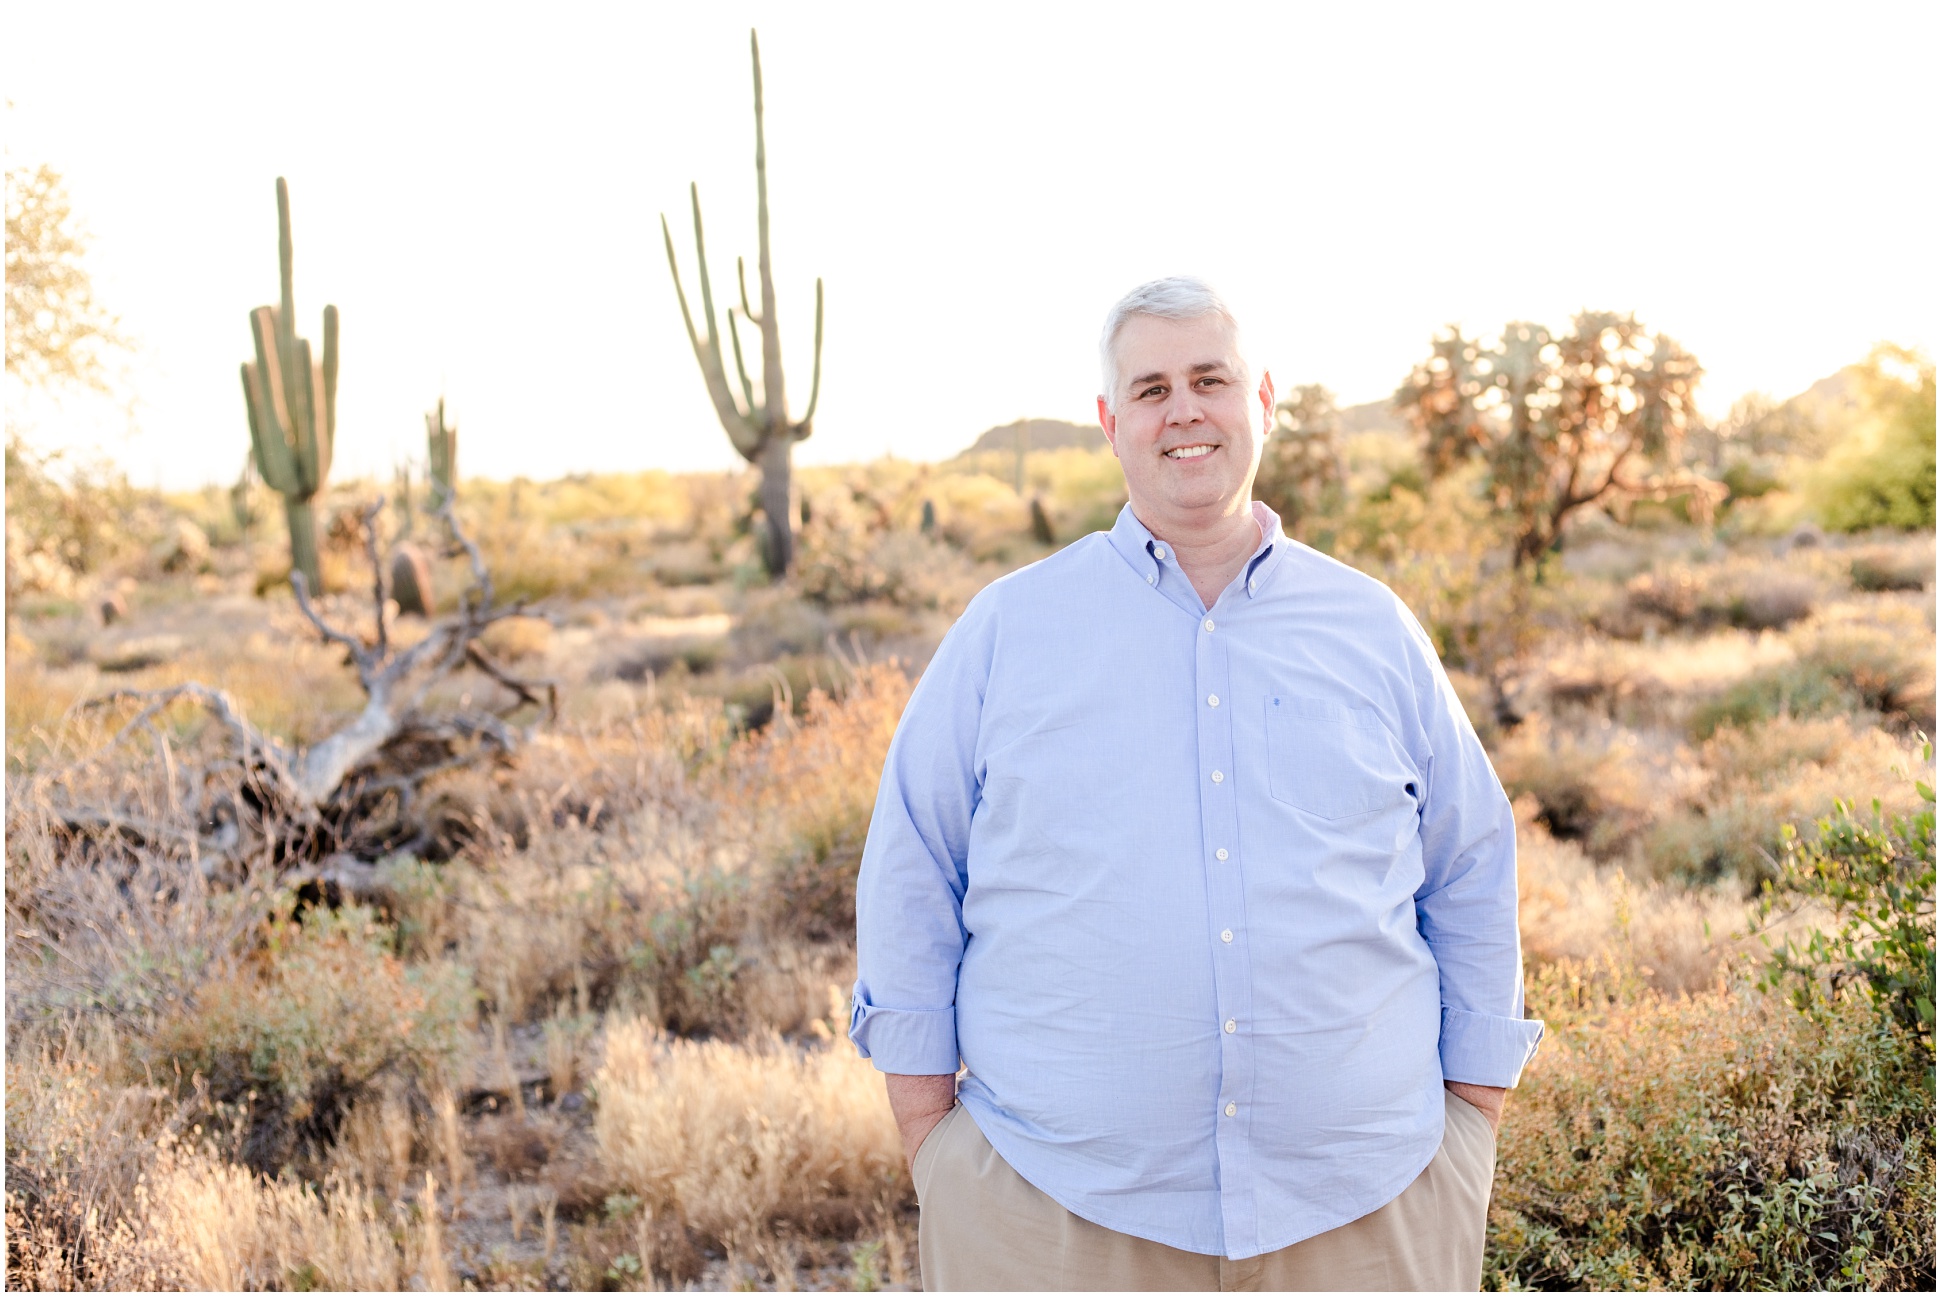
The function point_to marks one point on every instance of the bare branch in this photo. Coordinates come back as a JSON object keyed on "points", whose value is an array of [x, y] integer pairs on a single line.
{"points": [[523, 688], [218, 703], [377, 576], [481, 577], [359, 654]]}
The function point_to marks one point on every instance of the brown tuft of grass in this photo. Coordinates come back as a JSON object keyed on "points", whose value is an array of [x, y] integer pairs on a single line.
{"points": [[732, 1138], [1570, 909]]}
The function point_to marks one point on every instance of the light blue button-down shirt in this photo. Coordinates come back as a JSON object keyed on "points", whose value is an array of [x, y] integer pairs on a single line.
{"points": [[1208, 901]]}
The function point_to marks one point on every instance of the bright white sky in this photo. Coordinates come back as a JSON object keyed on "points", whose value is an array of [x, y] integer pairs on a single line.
{"points": [[477, 188]]}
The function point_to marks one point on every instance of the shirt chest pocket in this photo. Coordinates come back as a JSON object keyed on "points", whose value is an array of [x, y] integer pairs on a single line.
{"points": [[1334, 761]]}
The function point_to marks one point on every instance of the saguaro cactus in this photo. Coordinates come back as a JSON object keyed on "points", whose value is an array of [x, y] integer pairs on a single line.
{"points": [[292, 403], [760, 429], [441, 455]]}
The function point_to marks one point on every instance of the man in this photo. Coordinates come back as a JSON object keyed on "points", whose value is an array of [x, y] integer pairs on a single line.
{"points": [[1185, 848]]}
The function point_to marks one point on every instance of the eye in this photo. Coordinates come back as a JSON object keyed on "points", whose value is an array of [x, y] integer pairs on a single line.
{"points": [[1152, 391]]}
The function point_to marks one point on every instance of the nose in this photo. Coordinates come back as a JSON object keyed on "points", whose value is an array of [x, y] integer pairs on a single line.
{"points": [[1183, 409]]}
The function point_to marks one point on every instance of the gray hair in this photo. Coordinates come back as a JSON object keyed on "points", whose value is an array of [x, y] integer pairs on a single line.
{"points": [[1178, 297]]}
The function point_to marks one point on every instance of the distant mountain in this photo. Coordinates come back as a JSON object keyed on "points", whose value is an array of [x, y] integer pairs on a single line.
{"points": [[1039, 434]]}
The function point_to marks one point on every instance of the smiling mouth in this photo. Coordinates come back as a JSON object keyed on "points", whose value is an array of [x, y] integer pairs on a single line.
{"points": [[1190, 452]]}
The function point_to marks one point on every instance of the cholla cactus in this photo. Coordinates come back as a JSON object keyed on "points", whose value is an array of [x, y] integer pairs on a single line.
{"points": [[760, 429], [292, 403]]}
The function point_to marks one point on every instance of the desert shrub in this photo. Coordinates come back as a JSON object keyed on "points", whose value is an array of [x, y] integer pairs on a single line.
{"points": [[815, 784], [1747, 593], [1877, 877], [1886, 663], [690, 958], [1601, 787], [300, 1032], [1569, 908], [1885, 568], [65, 521], [904, 568], [732, 1139], [1794, 689], [1761, 778], [1715, 1141]]}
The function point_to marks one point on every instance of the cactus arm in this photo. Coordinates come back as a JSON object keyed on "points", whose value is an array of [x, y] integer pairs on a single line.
{"points": [[265, 438], [741, 279], [269, 412], [687, 317], [741, 369], [303, 382], [265, 331], [743, 431], [815, 377], [701, 268], [327, 429]]}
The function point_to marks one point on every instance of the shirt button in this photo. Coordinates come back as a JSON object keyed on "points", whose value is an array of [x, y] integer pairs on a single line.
{"points": [[1159, 552], [1221, 854], [1253, 584], [1232, 1108], [1213, 700], [1219, 778], [1151, 579], [1226, 935], [1232, 1026], [1208, 625]]}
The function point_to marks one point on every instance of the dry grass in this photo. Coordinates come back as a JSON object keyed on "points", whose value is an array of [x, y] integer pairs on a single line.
{"points": [[730, 1139], [1570, 909]]}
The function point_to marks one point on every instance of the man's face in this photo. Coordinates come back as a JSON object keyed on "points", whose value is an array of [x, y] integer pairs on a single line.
{"points": [[1189, 427]]}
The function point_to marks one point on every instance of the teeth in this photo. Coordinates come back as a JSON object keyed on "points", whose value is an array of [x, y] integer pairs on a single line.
{"points": [[1189, 452]]}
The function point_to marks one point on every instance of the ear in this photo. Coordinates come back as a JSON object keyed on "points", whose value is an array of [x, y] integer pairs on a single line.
{"points": [[1266, 402], [1109, 422]]}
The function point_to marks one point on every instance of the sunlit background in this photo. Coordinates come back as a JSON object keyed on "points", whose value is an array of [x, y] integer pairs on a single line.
{"points": [[477, 188]]}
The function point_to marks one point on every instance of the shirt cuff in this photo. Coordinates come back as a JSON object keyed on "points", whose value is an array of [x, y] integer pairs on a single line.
{"points": [[1483, 1049], [906, 1042]]}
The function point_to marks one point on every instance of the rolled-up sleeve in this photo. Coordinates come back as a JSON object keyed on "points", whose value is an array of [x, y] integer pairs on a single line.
{"points": [[909, 894], [1466, 907]]}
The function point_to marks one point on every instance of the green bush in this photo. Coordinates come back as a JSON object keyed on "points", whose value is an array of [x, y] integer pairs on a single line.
{"points": [[1878, 880], [321, 1013], [1884, 477], [1797, 689], [1717, 1141], [1883, 569]]}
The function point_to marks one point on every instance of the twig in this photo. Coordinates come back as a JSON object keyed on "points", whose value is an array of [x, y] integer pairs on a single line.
{"points": [[523, 688], [377, 575], [359, 653]]}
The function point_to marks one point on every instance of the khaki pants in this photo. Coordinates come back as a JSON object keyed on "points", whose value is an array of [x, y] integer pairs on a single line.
{"points": [[985, 1227]]}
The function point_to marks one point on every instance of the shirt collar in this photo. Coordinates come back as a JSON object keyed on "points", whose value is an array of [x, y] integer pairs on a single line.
{"points": [[1147, 554]]}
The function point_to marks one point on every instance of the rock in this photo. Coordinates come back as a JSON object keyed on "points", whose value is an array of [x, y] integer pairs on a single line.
{"points": [[112, 607]]}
